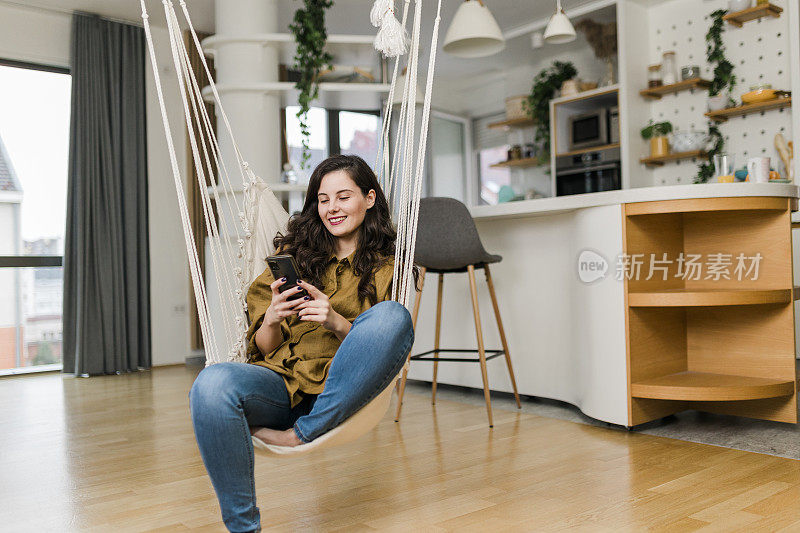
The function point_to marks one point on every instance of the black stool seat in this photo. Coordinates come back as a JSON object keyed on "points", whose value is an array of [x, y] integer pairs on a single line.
{"points": [[447, 239]]}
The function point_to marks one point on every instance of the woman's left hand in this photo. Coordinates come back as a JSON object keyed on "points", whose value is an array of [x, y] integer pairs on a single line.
{"points": [[318, 309]]}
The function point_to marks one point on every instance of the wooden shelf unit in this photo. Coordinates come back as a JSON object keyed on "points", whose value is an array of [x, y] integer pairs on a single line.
{"points": [[592, 149], [724, 114], [737, 18], [520, 163], [701, 386], [726, 345], [685, 85], [658, 161], [524, 122], [707, 297]]}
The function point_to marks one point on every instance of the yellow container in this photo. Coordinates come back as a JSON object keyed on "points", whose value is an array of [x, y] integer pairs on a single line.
{"points": [[725, 179], [659, 146]]}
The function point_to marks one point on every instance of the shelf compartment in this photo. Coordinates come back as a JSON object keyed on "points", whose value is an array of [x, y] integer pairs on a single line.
{"points": [[694, 205], [520, 163], [685, 85], [675, 156], [592, 149], [708, 297], [523, 122], [724, 114], [701, 386], [737, 18]]}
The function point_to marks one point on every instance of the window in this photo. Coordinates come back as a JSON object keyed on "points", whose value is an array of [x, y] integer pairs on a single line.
{"points": [[34, 145], [491, 146], [333, 131]]}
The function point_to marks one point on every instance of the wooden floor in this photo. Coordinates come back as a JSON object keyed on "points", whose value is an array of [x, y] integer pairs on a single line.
{"points": [[117, 453]]}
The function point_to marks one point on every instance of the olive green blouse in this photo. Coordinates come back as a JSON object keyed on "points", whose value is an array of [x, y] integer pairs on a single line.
{"points": [[304, 356]]}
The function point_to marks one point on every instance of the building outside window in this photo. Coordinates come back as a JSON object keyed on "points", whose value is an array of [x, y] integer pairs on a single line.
{"points": [[34, 144]]}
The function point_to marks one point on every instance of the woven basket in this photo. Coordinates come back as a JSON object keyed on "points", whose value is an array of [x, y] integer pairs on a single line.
{"points": [[514, 108]]}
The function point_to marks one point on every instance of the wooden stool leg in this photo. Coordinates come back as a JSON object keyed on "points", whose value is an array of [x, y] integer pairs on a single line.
{"points": [[436, 337], [481, 352], [401, 387], [502, 334]]}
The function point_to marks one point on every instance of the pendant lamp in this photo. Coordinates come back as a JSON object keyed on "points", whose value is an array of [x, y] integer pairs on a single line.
{"points": [[398, 90], [473, 32], [559, 30]]}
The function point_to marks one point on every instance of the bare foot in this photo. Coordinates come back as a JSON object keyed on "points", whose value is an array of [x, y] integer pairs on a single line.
{"points": [[276, 437]]}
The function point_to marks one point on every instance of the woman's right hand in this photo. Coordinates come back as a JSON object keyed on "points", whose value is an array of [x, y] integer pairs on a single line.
{"points": [[280, 308]]}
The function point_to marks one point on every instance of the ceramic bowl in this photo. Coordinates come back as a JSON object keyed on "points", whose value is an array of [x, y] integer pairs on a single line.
{"points": [[688, 141], [738, 5], [715, 103]]}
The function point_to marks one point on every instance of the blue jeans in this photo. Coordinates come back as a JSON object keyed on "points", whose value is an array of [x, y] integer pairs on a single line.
{"points": [[226, 398]]}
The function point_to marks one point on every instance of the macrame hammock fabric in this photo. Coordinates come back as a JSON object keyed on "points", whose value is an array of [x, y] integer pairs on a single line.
{"points": [[241, 230]]}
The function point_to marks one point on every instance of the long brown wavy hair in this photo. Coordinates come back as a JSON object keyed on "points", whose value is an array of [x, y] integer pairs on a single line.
{"points": [[311, 244]]}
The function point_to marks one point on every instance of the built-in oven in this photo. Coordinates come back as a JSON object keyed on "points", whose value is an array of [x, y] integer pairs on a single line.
{"points": [[588, 172]]}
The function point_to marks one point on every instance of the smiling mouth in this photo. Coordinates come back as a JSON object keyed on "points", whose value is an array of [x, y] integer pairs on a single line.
{"points": [[336, 220]]}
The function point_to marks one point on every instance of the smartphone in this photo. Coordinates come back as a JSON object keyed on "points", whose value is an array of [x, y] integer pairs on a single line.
{"points": [[283, 266]]}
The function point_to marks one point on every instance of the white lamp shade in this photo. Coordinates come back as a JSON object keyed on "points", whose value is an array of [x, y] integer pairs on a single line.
{"points": [[473, 32], [559, 30], [397, 98]]}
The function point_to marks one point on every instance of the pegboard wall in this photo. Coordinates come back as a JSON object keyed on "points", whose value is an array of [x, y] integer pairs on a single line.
{"points": [[759, 51]]}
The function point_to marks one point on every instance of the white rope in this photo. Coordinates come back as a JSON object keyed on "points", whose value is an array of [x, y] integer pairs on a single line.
{"points": [[231, 317], [400, 173], [191, 249]]}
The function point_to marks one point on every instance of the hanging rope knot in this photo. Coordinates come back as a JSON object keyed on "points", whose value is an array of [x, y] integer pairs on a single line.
{"points": [[239, 293], [247, 233], [238, 272], [241, 216], [145, 16], [246, 187], [240, 242], [183, 3], [246, 165]]}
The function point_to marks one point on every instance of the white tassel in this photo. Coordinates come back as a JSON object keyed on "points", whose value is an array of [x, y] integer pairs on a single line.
{"points": [[392, 38], [378, 9]]}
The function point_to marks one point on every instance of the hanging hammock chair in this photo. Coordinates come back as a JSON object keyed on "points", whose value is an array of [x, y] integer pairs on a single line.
{"points": [[241, 230]]}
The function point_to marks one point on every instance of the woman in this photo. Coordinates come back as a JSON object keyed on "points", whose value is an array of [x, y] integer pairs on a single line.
{"points": [[293, 389]]}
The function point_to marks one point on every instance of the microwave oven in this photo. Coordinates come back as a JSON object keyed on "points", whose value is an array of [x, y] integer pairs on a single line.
{"points": [[596, 128]]}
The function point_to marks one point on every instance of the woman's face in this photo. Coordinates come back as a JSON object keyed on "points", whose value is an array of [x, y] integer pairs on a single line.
{"points": [[341, 204]]}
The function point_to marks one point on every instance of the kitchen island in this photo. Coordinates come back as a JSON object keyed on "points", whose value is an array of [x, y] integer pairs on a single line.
{"points": [[604, 307]]}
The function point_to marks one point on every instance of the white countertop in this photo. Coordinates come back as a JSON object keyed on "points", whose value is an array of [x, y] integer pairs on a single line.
{"points": [[562, 204]]}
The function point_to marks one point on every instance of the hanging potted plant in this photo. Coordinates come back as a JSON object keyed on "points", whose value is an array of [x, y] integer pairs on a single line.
{"points": [[656, 133], [310, 35], [537, 104], [724, 78]]}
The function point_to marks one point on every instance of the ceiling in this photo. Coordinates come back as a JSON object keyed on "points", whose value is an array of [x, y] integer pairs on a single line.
{"points": [[352, 16], [202, 11]]}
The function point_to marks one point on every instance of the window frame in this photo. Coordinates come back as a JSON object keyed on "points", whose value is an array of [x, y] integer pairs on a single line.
{"points": [[30, 261]]}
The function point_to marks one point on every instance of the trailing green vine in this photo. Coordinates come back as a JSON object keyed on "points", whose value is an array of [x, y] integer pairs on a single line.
{"points": [[706, 169], [537, 105], [723, 78], [310, 34], [715, 54]]}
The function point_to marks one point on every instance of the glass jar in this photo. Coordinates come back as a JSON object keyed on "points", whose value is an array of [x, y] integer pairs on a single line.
{"points": [[669, 68], [654, 76]]}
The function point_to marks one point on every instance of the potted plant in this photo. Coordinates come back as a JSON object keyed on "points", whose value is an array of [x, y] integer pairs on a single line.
{"points": [[656, 133], [310, 35], [537, 104], [724, 78]]}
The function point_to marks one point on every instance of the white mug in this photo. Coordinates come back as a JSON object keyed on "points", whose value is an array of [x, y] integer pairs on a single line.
{"points": [[758, 169]]}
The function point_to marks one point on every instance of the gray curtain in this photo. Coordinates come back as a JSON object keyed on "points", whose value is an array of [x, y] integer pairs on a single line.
{"points": [[106, 260]]}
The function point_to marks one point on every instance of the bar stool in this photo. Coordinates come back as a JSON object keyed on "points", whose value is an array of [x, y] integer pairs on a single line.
{"points": [[448, 242]]}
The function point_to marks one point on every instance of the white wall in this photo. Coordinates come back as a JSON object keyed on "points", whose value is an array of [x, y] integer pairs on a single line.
{"points": [[44, 37]]}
